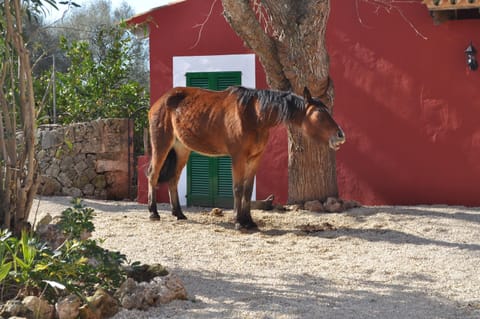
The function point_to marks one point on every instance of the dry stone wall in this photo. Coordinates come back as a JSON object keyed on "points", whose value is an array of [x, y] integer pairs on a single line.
{"points": [[86, 159]]}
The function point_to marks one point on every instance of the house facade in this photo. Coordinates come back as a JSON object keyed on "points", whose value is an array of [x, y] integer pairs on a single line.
{"points": [[404, 95]]}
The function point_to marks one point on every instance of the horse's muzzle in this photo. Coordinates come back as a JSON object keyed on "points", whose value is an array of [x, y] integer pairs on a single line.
{"points": [[336, 140]]}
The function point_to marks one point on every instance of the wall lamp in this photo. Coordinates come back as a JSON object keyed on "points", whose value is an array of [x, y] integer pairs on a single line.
{"points": [[471, 52]]}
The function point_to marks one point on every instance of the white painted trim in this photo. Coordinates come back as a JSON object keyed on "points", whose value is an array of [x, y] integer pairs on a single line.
{"points": [[182, 65]]}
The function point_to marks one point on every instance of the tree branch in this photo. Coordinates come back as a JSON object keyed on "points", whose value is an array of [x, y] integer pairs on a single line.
{"points": [[389, 6], [241, 17], [300, 28], [202, 25]]}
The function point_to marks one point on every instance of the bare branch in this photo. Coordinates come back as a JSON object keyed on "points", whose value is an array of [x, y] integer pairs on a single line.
{"points": [[202, 25], [389, 6]]}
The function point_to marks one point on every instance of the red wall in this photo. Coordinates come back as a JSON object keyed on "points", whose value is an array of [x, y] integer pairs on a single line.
{"points": [[409, 105]]}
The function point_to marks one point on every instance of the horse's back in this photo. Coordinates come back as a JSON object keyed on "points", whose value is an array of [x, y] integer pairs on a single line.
{"points": [[203, 120]]}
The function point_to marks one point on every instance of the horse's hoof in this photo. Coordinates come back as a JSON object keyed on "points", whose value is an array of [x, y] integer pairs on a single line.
{"points": [[246, 226], [179, 215], [154, 216]]}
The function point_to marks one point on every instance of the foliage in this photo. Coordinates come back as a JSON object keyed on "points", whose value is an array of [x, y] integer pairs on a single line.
{"points": [[76, 220], [99, 85], [101, 69], [77, 266]]}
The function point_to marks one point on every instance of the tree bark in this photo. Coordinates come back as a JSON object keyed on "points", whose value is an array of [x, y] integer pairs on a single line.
{"points": [[241, 17], [291, 47]]}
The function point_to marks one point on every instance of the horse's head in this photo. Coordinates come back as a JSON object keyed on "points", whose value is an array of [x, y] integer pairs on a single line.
{"points": [[319, 124]]}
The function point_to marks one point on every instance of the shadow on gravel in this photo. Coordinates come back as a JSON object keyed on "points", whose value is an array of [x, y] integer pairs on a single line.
{"points": [[309, 296], [395, 237], [473, 214]]}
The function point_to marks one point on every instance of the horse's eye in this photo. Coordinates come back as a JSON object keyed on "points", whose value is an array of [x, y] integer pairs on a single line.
{"points": [[326, 109], [322, 109]]}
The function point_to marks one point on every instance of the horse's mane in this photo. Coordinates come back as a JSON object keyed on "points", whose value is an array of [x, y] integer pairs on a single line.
{"points": [[286, 104]]}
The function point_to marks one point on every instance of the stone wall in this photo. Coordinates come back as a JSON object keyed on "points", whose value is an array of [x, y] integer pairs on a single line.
{"points": [[86, 159]]}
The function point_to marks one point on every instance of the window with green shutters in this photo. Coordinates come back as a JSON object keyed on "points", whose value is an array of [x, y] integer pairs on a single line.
{"points": [[218, 81], [209, 179]]}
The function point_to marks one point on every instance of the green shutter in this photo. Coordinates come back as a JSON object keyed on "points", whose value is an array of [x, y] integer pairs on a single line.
{"points": [[198, 82], [198, 188], [209, 179], [226, 80], [217, 81], [224, 192]]}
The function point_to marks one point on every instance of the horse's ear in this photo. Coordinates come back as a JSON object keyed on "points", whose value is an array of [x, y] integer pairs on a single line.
{"points": [[306, 95], [174, 99]]}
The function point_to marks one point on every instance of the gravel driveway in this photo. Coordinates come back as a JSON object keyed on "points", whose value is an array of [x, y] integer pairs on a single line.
{"points": [[368, 262]]}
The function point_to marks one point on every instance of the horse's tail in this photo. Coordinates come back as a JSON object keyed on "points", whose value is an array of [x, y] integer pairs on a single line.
{"points": [[168, 167]]}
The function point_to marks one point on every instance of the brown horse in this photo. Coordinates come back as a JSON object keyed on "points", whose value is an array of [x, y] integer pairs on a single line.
{"points": [[233, 122]]}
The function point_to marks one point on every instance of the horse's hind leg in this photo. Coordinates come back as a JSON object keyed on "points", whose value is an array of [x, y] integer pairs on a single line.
{"points": [[182, 158], [160, 149], [153, 173]]}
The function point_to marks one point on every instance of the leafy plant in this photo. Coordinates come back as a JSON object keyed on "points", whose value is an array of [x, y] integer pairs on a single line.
{"points": [[77, 266], [76, 220], [5, 264]]}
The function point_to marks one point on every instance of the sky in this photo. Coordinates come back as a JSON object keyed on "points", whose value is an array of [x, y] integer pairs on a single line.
{"points": [[139, 6]]}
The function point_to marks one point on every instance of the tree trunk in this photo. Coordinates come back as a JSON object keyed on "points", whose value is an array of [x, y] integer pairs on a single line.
{"points": [[18, 178], [289, 40], [311, 169]]}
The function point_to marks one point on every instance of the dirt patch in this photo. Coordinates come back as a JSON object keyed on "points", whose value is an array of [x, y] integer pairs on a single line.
{"points": [[369, 262]]}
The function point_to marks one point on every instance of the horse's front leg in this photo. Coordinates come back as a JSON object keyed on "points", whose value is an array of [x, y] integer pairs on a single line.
{"points": [[174, 200], [250, 171], [241, 208], [246, 201]]}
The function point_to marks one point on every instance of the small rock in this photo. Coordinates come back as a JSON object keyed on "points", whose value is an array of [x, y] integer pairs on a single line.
{"points": [[128, 295], [314, 206], [40, 308], [68, 307], [101, 304], [175, 289], [217, 212], [160, 290], [333, 205], [14, 308], [347, 204], [87, 313]]}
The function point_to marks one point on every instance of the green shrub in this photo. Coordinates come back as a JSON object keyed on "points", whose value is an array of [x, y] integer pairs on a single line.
{"points": [[76, 220], [77, 266]]}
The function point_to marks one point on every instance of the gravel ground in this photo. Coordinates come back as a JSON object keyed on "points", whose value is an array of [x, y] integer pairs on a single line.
{"points": [[368, 262]]}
